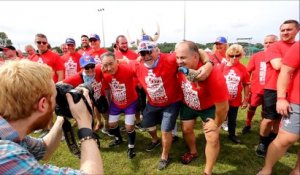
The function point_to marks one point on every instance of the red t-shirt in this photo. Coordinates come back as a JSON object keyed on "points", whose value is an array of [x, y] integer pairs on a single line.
{"points": [[130, 54], [83, 52], [236, 76], [30, 57], [204, 94], [257, 69], [276, 50], [160, 83], [292, 59], [97, 54], [77, 79], [51, 59], [217, 58], [122, 86], [71, 63]]}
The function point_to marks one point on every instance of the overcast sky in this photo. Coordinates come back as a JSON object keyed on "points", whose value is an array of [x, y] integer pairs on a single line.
{"points": [[205, 20]]}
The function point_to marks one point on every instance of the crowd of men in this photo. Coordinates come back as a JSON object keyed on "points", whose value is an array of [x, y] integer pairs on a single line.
{"points": [[150, 88]]}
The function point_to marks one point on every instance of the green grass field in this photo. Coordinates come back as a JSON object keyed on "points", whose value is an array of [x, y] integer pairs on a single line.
{"points": [[233, 159]]}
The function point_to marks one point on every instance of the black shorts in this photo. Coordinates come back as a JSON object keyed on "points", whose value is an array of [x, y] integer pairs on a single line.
{"points": [[269, 109]]}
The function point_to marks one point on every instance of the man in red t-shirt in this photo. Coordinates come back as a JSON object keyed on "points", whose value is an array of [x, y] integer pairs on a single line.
{"points": [[71, 59], [31, 53], [257, 69], [207, 99], [85, 46], [96, 51], [120, 79], [219, 48], [122, 52], [46, 56], [10, 53], [288, 105], [157, 74], [270, 124]]}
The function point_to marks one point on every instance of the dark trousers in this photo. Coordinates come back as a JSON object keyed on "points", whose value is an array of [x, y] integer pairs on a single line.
{"points": [[232, 115]]}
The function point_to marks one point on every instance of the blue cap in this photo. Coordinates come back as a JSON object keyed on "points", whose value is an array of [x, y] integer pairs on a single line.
{"points": [[70, 41], [221, 40], [86, 59], [94, 36], [146, 46]]}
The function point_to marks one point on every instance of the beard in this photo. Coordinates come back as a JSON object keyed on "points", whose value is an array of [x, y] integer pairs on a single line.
{"points": [[123, 50], [43, 121]]}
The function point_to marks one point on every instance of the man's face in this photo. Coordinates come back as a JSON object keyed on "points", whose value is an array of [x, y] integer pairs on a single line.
{"points": [[122, 44], [71, 48], [41, 44], [109, 65], [184, 57], [45, 118], [64, 48], [288, 32], [89, 70], [9, 53], [84, 42], [30, 51], [220, 47], [268, 41], [95, 44]]}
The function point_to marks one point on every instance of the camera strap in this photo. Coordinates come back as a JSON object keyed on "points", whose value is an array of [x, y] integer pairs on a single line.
{"points": [[69, 133]]}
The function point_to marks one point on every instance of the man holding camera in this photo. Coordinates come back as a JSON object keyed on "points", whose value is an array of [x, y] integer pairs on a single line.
{"points": [[27, 101]]}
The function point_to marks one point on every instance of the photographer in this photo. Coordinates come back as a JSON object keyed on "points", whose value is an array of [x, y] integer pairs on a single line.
{"points": [[27, 101]]}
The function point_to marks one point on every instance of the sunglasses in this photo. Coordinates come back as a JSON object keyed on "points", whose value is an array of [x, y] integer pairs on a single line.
{"points": [[90, 66], [41, 42], [234, 56], [93, 40], [144, 53]]}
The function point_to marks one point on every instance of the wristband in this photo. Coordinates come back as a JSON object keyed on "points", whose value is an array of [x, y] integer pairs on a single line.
{"points": [[281, 98], [209, 62], [85, 132]]}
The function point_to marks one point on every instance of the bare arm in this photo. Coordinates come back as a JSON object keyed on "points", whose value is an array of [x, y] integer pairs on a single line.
{"points": [[220, 116], [282, 105], [246, 96], [206, 68], [91, 161], [52, 139], [60, 75], [276, 63]]}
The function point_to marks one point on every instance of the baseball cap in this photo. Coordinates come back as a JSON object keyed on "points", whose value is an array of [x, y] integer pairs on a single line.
{"points": [[70, 41], [94, 36], [7, 48], [221, 40], [86, 59], [146, 46]]}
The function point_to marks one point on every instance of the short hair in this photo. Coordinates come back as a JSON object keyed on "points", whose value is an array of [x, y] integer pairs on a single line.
{"points": [[235, 49], [191, 46], [84, 36], [23, 84], [297, 25], [108, 54], [272, 35], [40, 35], [120, 36], [29, 46]]}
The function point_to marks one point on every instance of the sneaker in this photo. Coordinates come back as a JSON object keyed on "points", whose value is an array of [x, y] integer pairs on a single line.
{"points": [[175, 138], [162, 164], [246, 130], [115, 143], [105, 131], [234, 139], [186, 158], [224, 126], [131, 153], [152, 145], [139, 127], [261, 150]]}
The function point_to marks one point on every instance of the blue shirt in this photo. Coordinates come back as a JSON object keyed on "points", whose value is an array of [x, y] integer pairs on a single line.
{"points": [[21, 156]]}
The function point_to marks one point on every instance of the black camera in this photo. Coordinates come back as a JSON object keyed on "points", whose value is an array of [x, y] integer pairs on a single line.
{"points": [[62, 106]]}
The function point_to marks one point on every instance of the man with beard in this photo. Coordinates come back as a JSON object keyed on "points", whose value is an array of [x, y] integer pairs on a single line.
{"points": [[34, 88], [122, 52], [85, 46]]}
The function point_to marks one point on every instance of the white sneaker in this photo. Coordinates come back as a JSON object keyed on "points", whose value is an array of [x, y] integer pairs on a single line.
{"points": [[225, 125]]}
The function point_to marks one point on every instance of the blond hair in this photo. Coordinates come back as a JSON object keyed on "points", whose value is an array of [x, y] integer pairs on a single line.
{"points": [[22, 84], [235, 49]]}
